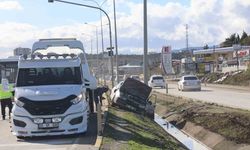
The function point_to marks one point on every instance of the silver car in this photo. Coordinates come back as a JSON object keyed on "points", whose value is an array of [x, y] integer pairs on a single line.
{"points": [[189, 82], [157, 81]]}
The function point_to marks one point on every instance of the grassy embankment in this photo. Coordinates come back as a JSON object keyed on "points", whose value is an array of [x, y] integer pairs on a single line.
{"points": [[241, 79], [232, 124], [126, 130]]}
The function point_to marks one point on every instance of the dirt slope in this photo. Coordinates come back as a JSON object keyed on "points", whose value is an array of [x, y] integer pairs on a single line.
{"points": [[214, 125]]}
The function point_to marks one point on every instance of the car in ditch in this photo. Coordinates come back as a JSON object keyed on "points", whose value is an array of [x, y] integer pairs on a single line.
{"points": [[135, 96]]}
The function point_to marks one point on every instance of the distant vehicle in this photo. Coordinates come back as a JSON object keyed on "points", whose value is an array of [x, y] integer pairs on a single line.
{"points": [[133, 95], [136, 77], [157, 81], [189, 82], [50, 91]]}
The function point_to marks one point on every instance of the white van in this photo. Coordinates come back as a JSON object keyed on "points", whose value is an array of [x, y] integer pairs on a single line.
{"points": [[50, 90]]}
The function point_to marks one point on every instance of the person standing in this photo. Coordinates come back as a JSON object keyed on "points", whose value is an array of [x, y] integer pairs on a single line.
{"points": [[6, 96]]}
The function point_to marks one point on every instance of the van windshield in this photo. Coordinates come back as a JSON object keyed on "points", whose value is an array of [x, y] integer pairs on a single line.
{"points": [[48, 76]]}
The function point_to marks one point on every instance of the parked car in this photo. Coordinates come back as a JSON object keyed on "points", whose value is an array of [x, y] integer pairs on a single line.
{"points": [[134, 96], [157, 81], [189, 82], [136, 77]]}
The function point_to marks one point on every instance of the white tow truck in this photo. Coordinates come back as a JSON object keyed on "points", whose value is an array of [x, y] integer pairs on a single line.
{"points": [[50, 92]]}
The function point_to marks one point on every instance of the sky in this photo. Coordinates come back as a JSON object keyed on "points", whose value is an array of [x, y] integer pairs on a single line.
{"points": [[22, 22]]}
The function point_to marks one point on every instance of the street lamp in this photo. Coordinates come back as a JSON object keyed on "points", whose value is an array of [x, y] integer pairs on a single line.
{"points": [[91, 46], [145, 55], [100, 6], [97, 45], [96, 29], [110, 34], [116, 45]]}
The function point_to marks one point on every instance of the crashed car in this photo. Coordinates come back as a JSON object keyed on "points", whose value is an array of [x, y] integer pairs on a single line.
{"points": [[135, 96]]}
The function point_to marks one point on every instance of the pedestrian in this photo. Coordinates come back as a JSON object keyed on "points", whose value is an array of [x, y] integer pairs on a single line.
{"points": [[103, 90], [98, 94], [6, 95]]}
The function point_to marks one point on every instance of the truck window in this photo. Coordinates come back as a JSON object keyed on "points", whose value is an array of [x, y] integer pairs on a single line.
{"points": [[48, 76]]}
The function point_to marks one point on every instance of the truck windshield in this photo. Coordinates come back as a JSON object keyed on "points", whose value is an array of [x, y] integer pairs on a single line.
{"points": [[48, 76]]}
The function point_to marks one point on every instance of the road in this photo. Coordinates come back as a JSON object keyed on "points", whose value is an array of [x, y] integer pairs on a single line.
{"points": [[72, 142], [221, 95]]}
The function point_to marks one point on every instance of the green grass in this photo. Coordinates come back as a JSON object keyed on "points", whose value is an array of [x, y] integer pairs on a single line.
{"points": [[135, 132]]}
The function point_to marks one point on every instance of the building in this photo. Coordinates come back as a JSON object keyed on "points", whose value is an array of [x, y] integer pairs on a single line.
{"points": [[22, 51], [222, 59], [130, 70], [8, 66]]}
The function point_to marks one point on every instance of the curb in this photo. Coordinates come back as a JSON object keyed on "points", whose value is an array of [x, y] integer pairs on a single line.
{"points": [[99, 138]]}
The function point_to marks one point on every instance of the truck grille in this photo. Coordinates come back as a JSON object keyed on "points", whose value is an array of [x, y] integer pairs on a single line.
{"points": [[52, 107]]}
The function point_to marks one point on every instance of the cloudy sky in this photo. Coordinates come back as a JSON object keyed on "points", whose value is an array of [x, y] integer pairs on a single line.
{"points": [[24, 21]]}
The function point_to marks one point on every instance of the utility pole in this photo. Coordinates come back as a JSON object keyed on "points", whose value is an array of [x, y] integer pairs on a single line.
{"points": [[187, 39], [110, 32], [214, 59], [145, 55], [116, 45]]}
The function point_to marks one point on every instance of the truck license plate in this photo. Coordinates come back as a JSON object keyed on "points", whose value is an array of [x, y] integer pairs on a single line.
{"points": [[48, 125]]}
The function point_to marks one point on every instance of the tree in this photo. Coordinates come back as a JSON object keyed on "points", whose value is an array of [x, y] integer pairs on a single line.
{"points": [[233, 39], [245, 41], [205, 47], [243, 36]]}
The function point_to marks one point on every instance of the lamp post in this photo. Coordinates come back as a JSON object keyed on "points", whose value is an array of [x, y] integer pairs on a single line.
{"points": [[110, 33], [237, 47], [96, 29], [100, 6], [145, 55], [91, 47], [116, 45]]}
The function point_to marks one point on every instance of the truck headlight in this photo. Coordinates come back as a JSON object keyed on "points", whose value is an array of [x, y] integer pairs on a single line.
{"points": [[56, 120], [38, 120], [78, 99], [18, 102]]}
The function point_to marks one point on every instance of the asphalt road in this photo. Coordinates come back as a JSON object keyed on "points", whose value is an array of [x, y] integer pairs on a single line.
{"points": [[72, 142], [236, 98]]}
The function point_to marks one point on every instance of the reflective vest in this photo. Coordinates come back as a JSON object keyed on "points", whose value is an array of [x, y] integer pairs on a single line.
{"points": [[5, 94]]}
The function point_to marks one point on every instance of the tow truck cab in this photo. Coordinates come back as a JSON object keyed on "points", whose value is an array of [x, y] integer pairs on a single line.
{"points": [[50, 92]]}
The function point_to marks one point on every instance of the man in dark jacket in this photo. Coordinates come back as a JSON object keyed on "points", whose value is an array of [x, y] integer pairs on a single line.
{"points": [[98, 94]]}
